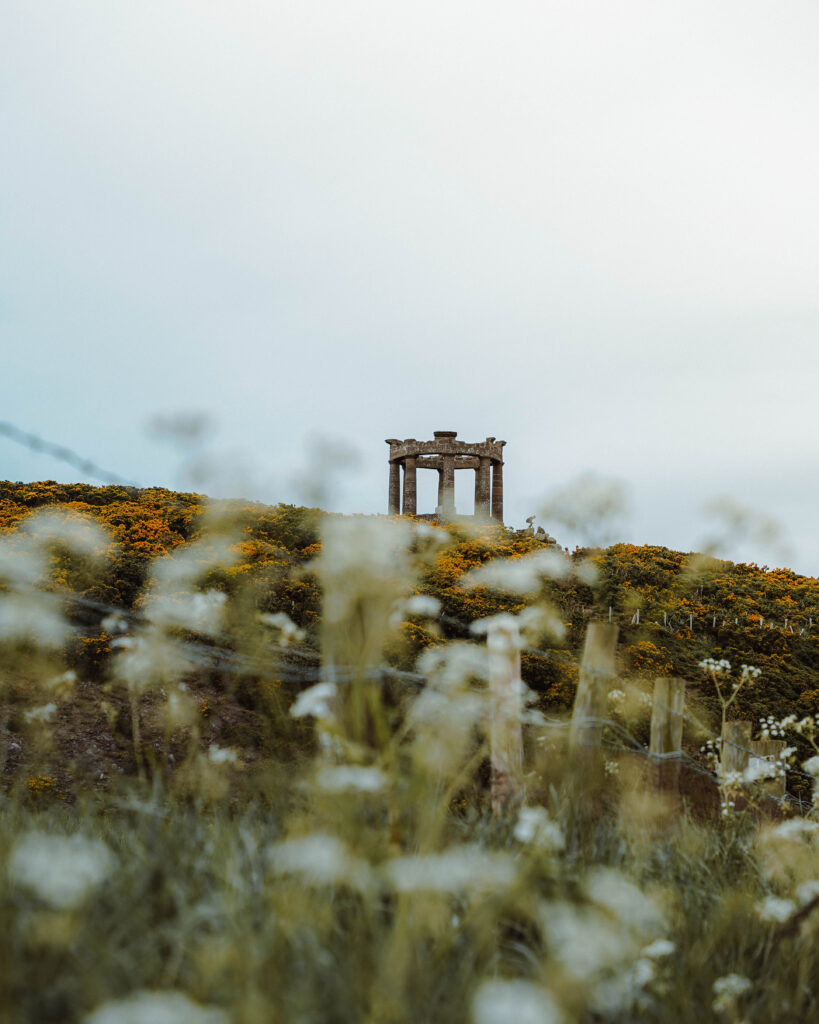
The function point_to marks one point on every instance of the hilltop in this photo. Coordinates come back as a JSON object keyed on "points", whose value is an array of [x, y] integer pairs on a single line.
{"points": [[674, 609]]}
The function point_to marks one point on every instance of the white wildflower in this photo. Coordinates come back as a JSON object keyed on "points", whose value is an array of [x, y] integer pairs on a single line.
{"points": [[772, 908], [460, 869], [658, 949], [114, 623], [288, 631], [522, 575], [197, 611], [443, 725], [61, 870], [63, 683], [221, 755], [423, 605], [21, 564], [807, 891], [346, 777], [315, 701], [585, 940], [611, 767], [44, 713], [514, 1002], [535, 826], [728, 990], [147, 659], [156, 1008], [587, 572], [362, 558], [760, 768], [642, 972], [320, 859], [796, 830], [32, 615], [811, 766], [80, 534], [617, 696], [612, 890], [453, 665], [187, 564], [714, 667]]}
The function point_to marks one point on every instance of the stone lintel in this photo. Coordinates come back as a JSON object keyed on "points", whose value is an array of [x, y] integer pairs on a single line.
{"points": [[437, 462], [490, 449]]}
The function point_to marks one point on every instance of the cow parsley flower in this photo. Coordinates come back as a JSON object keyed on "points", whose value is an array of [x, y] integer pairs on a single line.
{"points": [[350, 777], [156, 1008], [319, 859], [61, 870], [44, 713], [535, 826], [717, 668], [728, 990], [772, 908], [514, 1002], [221, 755], [460, 869], [658, 949], [314, 701]]}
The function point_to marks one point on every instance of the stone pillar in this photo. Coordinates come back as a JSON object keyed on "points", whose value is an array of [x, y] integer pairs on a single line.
{"points": [[447, 486], [394, 505], [497, 491], [482, 474], [410, 500], [440, 507]]}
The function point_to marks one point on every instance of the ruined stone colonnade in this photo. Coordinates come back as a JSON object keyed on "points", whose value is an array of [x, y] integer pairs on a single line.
{"points": [[445, 455]]}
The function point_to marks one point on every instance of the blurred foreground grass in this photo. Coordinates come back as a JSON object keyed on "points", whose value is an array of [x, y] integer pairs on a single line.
{"points": [[332, 856]]}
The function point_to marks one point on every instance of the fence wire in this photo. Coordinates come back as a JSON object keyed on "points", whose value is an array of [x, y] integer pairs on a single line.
{"points": [[222, 659]]}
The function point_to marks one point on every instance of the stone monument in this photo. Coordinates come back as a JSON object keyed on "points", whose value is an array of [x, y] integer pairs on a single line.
{"points": [[445, 454]]}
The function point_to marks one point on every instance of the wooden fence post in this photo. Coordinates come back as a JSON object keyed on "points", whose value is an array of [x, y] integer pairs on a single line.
{"points": [[770, 751], [665, 745], [736, 745], [597, 673], [506, 707]]}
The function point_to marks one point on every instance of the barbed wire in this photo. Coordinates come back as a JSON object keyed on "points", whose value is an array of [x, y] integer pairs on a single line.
{"points": [[57, 451], [223, 659], [233, 663]]}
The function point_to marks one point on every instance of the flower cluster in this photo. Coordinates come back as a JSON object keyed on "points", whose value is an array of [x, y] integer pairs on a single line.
{"points": [[716, 668], [728, 990]]}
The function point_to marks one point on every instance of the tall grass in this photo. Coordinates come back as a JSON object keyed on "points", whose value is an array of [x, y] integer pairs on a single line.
{"points": [[344, 865]]}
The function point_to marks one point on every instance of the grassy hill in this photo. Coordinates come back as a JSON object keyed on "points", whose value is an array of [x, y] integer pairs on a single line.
{"points": [[689, 607], [176, 844]]}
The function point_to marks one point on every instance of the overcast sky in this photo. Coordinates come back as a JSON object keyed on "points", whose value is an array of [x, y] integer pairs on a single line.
{"points": [[588, 228]]}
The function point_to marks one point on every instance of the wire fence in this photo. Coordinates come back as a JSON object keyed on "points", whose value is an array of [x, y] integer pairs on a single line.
{"points": [[59, 452], [223, 659]]}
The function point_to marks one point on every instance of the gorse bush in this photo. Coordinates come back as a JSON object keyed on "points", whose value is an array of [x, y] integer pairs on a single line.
{"points": [[248, 778]]}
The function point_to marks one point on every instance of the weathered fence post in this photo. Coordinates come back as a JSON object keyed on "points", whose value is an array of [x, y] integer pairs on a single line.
{"points": [[736, 745], [597, 673], [770, 750], [665, 745], [506, 707]]}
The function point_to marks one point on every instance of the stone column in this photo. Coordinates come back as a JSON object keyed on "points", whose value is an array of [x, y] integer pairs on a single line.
{"points": [[482, 487], [410, 500], [497, 491], [447, 487], [394, 505], [440, 506]]}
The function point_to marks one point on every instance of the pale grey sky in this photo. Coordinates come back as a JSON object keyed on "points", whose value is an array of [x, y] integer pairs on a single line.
{"points": [[589, 228]]}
